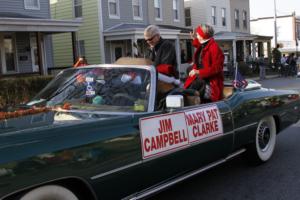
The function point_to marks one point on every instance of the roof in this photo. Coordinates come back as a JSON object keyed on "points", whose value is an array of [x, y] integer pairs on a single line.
{"points": [[15, 22], [225, 35], [16, 15], [135, 26], [125, 31], [272, 17]]}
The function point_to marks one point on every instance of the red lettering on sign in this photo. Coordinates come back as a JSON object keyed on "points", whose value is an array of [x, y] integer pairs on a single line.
{"points": [[146, 145], [212, 114], [165, 138], [161, 141], [201, 116], [216, 113], [189, 119], [165, 126], [153, 144], [171, 140], [195, 118], [176, 137], [184, 136]]}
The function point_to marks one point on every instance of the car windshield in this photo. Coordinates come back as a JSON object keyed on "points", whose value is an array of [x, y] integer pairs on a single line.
{"points": [[112, 89]]}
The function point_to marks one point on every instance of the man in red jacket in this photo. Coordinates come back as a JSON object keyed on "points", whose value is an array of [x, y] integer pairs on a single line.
{"points": [[207, 72]]}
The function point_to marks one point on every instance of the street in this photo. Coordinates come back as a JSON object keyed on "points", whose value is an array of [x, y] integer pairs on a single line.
{"points": [[277, 179]]}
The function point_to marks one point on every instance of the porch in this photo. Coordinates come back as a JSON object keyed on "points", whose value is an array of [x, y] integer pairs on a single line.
{"points": [[26, 44]]}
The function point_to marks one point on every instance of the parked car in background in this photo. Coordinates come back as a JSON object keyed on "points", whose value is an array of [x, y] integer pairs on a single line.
{"points": [[102, 135]]}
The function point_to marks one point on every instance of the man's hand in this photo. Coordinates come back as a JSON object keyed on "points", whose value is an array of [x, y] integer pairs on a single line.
{"points": [[193, 35], [193, 72]]}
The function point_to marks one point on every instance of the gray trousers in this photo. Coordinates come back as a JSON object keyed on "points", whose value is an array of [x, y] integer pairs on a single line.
{"points": [[262, 72]]}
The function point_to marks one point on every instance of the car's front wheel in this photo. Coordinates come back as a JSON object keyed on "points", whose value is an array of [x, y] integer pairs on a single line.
{"points": [[265, 139], [50, 192]]}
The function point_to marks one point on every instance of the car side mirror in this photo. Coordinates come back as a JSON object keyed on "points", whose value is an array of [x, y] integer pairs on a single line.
{"points": [[174, 101]]}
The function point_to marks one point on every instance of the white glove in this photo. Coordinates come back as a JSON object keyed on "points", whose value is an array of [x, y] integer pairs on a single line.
{"points": [[168, 79]]}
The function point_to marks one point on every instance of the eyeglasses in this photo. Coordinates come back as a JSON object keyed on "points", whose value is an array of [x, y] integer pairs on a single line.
{"points": [[150, 39]]}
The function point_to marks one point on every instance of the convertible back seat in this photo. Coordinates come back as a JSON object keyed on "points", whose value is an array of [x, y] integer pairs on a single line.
{"points": [[133, 61], [191, 97]]}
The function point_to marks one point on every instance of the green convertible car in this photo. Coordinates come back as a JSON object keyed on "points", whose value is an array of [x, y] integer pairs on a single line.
{"points": [[106, 132]]}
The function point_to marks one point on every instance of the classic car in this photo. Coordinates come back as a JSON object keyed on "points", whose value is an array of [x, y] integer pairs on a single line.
{"points": [[104, 134]]}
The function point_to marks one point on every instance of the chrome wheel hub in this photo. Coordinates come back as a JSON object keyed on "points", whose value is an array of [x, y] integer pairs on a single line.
{"points": [[264, 137]]}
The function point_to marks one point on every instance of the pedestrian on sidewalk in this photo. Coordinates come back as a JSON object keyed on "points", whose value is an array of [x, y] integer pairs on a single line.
{"points": [[292, 64], [262, 68], [276, 57], [284, 66]]}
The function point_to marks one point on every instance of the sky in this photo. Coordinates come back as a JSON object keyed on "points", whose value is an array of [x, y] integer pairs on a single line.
{"points": [[265, 8]]}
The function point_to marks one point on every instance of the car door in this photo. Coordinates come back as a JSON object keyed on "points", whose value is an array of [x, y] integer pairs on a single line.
{"points": [[193, 152]]}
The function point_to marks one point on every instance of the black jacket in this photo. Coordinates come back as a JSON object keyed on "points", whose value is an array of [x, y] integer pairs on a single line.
{"points": [[164, 53]]}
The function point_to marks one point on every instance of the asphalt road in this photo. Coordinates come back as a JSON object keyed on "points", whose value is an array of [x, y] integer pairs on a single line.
{"points": [[278, 179]]}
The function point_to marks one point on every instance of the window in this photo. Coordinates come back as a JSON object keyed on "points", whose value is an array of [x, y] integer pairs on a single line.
{"points": [[223, 16], [176, 10], [137, 9], [81, 48], [245, 19], [34, 52], [213, 15], [236, 18], [77, 8], [157, 7], [113, 8], [188, 19], [32, 4]]}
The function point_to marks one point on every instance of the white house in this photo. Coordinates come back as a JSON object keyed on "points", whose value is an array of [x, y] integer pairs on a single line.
{"points": [[288, 30]]}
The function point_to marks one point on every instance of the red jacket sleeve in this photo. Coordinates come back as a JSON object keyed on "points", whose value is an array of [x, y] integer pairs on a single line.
{"points": [[165, 69]]}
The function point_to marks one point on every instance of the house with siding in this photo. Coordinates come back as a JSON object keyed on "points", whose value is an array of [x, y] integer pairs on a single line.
{"points": [[26, 28], [86, 40], [114, 28], [231, 22]]}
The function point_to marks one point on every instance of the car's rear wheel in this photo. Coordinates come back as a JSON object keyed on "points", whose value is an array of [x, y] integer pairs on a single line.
{"points": [[265, 140], [50, 192]]}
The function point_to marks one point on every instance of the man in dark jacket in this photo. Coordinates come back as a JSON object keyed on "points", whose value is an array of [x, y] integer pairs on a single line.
{"points": [[161, 52], [163, 55]]}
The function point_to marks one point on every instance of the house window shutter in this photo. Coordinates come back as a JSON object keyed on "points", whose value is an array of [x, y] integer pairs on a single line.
{"points": [[113, 6], [157, 6], [78, 8], [137, 8]]}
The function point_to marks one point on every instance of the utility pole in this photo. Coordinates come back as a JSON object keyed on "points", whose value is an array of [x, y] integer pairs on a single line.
{"points": [[296, 32], [275, 24]]}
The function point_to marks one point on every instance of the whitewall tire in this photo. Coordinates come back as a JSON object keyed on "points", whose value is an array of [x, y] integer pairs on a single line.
{"points": [[265, 140], [50, 192]]}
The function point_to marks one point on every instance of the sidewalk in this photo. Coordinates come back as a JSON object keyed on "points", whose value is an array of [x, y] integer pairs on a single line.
{"points": [[271, 76], [256, 78]]}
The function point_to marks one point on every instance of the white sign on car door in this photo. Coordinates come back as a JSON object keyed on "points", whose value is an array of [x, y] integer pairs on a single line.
{"points": [[167, 133]]}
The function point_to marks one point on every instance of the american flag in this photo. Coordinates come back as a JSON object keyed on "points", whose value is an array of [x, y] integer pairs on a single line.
{"points": [[239, 81]]}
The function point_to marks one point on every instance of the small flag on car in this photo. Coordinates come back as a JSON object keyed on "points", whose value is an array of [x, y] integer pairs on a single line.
{"points": [[239, 81]]}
